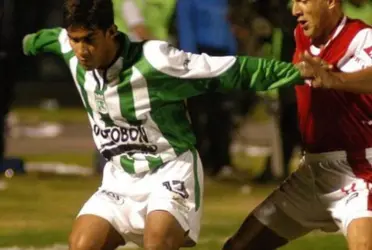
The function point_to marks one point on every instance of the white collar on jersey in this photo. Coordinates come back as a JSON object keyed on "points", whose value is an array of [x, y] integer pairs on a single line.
{"points": [[114, 70], [111, 75], [316, 51]]}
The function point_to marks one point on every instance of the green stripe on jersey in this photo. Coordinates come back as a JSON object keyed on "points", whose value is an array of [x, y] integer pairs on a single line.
{"points": [[126, 96]]}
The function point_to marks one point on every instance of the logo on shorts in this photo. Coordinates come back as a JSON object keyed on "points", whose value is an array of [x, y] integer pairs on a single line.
{"points": [[179, 204], [352, 196], [349, 189], [111, 196], [177, 187]]}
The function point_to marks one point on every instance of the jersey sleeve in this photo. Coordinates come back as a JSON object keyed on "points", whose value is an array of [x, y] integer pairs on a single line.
{"points": [[203, 73], [47, 40], [359, 53]]}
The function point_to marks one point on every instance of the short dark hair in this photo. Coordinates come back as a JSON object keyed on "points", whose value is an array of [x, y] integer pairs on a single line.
{"points": [[90, 14]]}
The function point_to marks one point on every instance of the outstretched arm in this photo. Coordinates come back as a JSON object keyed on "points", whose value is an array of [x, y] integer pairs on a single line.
{"points": [[197, 74], [47, 40], [258, 74], [360, 82]]}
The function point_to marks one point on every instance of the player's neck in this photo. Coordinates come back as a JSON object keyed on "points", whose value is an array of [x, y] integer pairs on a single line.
{"points": [[112, 53], [329, 29]]}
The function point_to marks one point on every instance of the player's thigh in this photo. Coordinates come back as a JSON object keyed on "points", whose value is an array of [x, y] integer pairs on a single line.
{"points": [[359, 234], [91, 232], [290, 212], [101, 222], [176, 194], [163, 232]]}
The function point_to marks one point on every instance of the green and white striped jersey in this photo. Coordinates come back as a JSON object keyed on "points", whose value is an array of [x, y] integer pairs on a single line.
{"points": [[137, 110]]}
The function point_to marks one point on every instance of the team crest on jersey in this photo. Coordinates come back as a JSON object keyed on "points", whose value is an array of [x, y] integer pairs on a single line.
{"points": [[100, 103]]}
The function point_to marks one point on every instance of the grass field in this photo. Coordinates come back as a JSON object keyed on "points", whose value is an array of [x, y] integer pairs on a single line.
{"points": [[37, 210]]}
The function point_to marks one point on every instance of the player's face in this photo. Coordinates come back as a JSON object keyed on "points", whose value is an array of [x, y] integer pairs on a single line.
{"points": [[311, 15], [90, 46]]}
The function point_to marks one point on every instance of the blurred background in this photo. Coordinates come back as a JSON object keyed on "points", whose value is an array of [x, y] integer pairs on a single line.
{"points": [[248, 142]]}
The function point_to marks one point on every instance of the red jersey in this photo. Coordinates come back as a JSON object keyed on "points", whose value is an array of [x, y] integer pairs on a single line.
{"points": [[332, 120]]}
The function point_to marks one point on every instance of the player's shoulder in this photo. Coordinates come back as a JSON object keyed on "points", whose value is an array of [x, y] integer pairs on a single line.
{"points": [[162, 55], [356, 24], [360, 27], [157, 48], [361, 45], [354, 28], [358, 38], [363, 35], [358, 32]]}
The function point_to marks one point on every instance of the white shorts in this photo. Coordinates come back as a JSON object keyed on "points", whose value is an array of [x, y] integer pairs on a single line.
{"points": [[322, 194], [125, 199]]}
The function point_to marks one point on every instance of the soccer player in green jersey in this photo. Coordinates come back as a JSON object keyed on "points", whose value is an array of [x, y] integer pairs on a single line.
{"points": [[152, 187]]}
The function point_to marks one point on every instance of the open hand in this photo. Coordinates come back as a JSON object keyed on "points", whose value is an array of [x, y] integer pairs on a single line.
{"points": [[318, 71]]}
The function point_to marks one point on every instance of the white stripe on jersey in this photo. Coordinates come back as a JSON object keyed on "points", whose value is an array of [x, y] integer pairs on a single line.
{"points": [[112, 100], [73, 63], [73, 68], [140, 92], [141, 165]]}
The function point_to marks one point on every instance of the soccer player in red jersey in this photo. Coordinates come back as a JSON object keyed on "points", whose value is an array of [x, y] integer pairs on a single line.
{"points": [[330, 190]]}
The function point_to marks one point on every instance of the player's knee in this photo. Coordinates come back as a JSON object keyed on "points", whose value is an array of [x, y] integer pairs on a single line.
{"points": [[360, 243], [163, 232], [158, 241], [80, 241], [159, 245], [153, 243], [156, 247], [359, 234]]}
